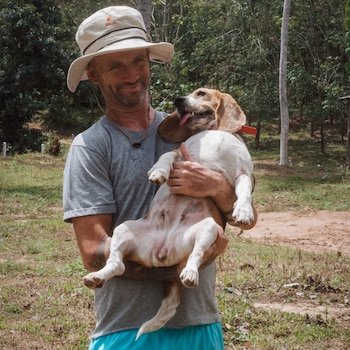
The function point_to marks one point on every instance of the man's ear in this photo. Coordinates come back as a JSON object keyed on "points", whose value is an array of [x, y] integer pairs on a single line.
{"points": [[91, 73]]}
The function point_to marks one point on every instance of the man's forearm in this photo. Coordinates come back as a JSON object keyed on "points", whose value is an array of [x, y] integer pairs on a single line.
{"points": [[99, 258], [225, 196]]}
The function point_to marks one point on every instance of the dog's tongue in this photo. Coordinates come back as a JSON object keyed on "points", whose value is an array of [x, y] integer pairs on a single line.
{"points": [[185, 118]]}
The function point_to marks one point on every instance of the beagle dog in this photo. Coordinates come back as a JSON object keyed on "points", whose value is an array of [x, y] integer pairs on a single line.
{"points": [[179, 228]]}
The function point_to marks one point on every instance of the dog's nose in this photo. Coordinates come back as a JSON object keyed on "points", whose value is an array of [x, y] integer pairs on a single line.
{"points": [[180, 101]]}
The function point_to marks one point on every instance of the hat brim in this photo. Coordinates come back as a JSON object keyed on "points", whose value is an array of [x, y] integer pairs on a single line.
{"points": [[157, 51]]}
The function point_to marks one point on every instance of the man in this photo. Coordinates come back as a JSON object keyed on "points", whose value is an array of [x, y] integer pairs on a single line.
{"points": [[105, 183]]}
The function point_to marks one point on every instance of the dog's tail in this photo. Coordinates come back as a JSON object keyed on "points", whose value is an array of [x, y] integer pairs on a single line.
{"points": [[171, 300]]}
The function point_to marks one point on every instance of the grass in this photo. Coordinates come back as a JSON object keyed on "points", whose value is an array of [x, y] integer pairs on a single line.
{"points": [[253, 272], [44, 304], [315, 180]]}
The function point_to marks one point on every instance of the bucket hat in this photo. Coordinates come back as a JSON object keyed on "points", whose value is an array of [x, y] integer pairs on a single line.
{"points": [[113, 29]]}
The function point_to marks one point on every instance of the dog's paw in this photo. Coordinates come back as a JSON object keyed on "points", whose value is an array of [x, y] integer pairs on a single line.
{"points": [[92, 281], [189, 278], [243, 214], [158, 175]]}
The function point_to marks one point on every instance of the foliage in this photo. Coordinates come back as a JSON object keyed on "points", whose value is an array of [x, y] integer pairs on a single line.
{"points": [[234, 46], [231, 45], [317, 70], [347, 27], [30, 65]]}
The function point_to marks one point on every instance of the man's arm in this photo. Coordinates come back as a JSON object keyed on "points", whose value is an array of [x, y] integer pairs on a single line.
{"points": [[93, 237]]}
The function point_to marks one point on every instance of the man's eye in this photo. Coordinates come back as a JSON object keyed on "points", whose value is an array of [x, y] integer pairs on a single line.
{"points": [[140, 60]]}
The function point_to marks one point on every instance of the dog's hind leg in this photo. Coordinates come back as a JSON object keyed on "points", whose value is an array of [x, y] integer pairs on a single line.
{"points": [[204, 234], [171, 300], [122, 243]]}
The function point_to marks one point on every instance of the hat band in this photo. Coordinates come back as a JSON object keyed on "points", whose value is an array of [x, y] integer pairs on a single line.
{"points": [[113, 31], [117, 41]]}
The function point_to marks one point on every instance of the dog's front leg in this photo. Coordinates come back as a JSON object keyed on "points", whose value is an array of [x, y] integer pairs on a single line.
{"points": [[160, 171], [243, 211]]}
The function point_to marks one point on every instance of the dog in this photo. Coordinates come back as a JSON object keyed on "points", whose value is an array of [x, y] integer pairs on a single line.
{"points": [[207, 121]]}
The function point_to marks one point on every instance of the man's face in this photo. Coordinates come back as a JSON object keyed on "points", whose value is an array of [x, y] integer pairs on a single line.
{"points": [[123, 77]]}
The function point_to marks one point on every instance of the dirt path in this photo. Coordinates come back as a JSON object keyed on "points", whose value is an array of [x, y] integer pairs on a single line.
{"points": [[318, 231]]}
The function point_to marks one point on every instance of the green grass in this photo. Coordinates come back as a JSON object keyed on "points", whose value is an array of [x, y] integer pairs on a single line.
{"points": [[260, 272], [44, 304], [314, 180]]}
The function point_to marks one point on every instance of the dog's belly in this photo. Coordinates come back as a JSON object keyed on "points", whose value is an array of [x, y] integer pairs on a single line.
{"points": [[163, 250], [165, 237]]}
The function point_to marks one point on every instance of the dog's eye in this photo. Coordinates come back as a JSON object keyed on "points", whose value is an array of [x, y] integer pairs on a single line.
{"points": [[200, 93]]}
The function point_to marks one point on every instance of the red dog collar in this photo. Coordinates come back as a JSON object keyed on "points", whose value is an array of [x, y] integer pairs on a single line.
{"points": [[249, 130]]}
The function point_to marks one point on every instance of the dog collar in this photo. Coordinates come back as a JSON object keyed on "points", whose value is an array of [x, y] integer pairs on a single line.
{"points": [[249, 130], [246, 129]]}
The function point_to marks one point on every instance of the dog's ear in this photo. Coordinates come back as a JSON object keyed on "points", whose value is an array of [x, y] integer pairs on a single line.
{"points": [[169, 129], [229, 115]]}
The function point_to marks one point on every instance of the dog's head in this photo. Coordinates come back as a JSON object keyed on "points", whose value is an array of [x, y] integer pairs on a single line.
{"points": [[203, 109]]}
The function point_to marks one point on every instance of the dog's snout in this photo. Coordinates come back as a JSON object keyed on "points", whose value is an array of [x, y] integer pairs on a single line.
{"points": [[180, 101]]}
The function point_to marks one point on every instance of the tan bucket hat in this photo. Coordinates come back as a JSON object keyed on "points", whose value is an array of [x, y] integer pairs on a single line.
{"points": [[113, 29]]}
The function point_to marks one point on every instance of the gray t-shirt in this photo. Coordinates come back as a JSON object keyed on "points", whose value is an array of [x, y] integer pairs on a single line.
{"points": [[106, 174]]}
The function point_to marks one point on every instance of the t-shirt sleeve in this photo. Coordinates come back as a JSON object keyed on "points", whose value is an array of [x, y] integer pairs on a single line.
{"points": [[87, 187]]}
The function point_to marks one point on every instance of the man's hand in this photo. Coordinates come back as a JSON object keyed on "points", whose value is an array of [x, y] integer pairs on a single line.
{"points": [[191, 178]]}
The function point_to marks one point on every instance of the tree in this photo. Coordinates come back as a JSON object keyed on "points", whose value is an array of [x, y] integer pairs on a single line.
{"points": [[146, 9], [230, 45], [347, 66], [316, 59], [30, 67], [283, 85]]}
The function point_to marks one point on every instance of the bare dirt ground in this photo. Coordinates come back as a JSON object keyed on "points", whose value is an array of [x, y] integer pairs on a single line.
{"points": [[317, 231]]}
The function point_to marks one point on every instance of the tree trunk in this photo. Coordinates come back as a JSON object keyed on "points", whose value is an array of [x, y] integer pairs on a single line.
{"points": [[347, 169], [257, 136], [283, 85], [146, 9], [322, 141], [348, 148]]}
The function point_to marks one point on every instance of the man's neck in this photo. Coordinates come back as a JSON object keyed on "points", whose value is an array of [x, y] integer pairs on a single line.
{"points": [[137, 119]]}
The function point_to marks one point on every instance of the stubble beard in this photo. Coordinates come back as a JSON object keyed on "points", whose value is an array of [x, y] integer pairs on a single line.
{"points": [[129, 100]]}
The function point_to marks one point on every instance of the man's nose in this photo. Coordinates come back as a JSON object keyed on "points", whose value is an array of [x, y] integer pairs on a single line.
{"points": [[131, 73]]}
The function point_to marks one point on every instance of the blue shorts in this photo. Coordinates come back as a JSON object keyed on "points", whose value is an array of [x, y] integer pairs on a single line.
{"points": [[203, 337]]}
